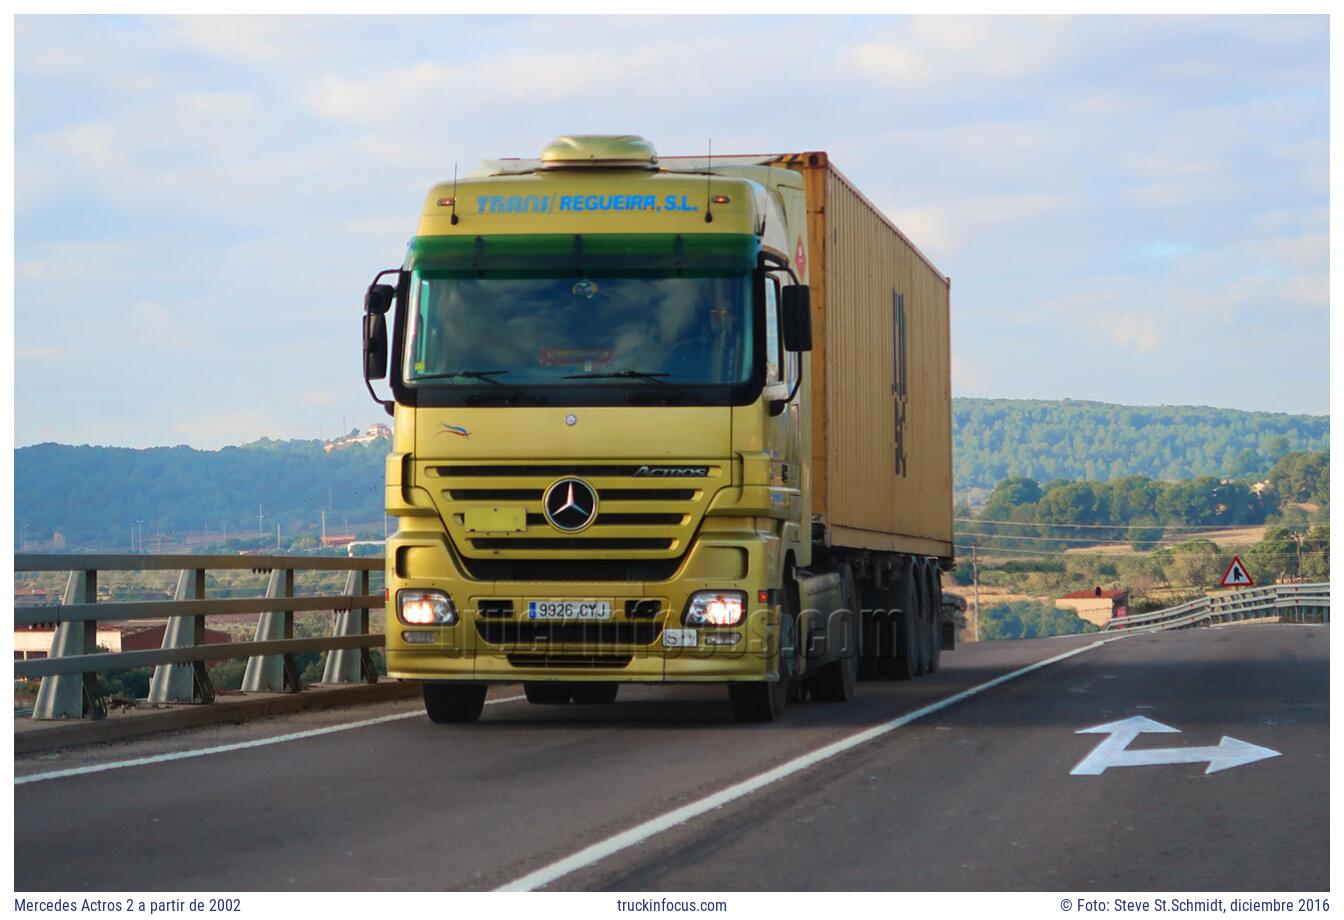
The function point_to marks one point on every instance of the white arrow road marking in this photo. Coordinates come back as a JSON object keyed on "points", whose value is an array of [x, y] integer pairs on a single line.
{"points": [[1226, 754]]}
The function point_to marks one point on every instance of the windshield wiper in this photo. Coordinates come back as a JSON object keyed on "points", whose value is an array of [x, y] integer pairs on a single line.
{"points": [[489, 377], [640, 375]]}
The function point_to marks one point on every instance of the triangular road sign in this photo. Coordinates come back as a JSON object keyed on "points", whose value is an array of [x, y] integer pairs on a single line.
{"points": [[1236, 575]]}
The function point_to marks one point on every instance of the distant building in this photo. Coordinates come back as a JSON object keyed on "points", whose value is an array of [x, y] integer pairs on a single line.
{"points": [[31, 597], [35, 641], [1097, 605], [337, 540], [371, 434]]}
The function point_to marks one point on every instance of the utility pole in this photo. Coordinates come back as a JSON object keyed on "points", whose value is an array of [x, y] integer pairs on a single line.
{"points": [[260, 528], [277, 536], [975, 582], [324, 528]]}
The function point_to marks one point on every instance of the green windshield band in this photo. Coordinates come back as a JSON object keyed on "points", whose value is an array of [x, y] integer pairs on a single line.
{"points": [[552, 254]]}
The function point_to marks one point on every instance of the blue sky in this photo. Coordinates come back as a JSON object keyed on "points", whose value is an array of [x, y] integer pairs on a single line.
{"points": [[1132, 209]]}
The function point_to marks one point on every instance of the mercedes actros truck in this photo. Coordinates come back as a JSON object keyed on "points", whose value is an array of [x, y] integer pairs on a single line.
{"points": [[662, 420]]}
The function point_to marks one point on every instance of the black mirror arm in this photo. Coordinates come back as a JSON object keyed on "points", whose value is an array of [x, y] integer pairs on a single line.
{"points": [[771, 262], [779, 405], [387, 404]]}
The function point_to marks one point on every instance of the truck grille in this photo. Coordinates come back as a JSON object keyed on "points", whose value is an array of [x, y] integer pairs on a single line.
{"points": [[664, 511], [553, 569], [531, 635], [542, 660]]}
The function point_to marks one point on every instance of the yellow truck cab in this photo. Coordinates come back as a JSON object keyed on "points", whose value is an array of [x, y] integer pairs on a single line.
{"points": [[612, 459]]}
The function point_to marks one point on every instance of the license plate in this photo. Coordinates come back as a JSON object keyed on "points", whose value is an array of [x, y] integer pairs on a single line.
{"points": [[680, 638], [568, 610]]}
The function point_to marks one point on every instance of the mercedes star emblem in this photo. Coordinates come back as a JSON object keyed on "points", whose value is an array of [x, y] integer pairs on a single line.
{"points": [[570, 505]]}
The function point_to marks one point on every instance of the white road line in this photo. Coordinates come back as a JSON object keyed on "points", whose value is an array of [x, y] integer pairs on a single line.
{"points": [[225, 748], [641, 832]]}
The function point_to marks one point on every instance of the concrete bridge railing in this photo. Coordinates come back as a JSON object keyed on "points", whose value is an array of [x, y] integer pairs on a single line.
{"points": [[1303, 603], [70, 671]]}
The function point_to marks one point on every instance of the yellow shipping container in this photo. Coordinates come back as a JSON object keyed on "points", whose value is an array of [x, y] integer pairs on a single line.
{"points": [[881, 374]]}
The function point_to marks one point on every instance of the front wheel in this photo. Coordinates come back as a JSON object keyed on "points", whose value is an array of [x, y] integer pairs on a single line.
{"points": [[759, 701], [453, 702], [764, 701], [595, 693], [547, 694]]}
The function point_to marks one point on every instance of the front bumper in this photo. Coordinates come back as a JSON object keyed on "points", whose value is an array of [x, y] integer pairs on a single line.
{"points": [[508, 647]]}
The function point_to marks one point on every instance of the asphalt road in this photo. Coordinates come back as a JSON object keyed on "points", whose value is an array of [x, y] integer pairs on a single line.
{"points": [[977, 795]]}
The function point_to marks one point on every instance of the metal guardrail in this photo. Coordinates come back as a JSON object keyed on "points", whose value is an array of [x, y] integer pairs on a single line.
{"points": [[69, 672], [1308, 603]]}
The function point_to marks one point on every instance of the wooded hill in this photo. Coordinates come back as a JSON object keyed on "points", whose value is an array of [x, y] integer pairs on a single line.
{"points": [[994, 439], [95, 494]]}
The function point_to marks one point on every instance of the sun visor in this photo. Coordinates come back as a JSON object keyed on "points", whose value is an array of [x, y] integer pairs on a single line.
{"points": [[541, 255]]}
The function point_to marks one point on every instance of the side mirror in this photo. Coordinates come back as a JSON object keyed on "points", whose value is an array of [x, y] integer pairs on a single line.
{"points": [[797, 318], [375, 344], [378, 299]]}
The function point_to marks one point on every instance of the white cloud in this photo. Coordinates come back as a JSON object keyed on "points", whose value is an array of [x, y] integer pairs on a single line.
{"points": [[952, 51], [947, 227], [1141, 333], [41, 353]]}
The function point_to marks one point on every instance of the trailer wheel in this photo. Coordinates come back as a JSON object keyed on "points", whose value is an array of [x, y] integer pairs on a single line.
{"points": [[935, 618], [453, 702], [834, 681], [547, 694], [870, 644], [905, 663], [923, 627], [595, 694]]}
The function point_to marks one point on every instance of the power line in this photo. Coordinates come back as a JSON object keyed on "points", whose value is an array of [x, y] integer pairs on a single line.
{"points": [[1077, 555], [1088, 540], [1204, 527]]}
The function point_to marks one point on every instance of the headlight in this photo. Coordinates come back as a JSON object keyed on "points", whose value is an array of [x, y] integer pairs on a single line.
{"points": [[715, 608], [426, 608]]}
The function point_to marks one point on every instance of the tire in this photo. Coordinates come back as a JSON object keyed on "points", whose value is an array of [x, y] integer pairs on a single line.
{"points": [[905, 658], [765, 701], [835, 681], [453, 702], [548, 693], [758, 701], [870, 637], [935, 619], [595, 694], [923, 629]]}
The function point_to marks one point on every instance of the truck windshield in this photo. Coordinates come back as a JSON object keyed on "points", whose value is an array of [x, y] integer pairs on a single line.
{"points": [[528, 331]]}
